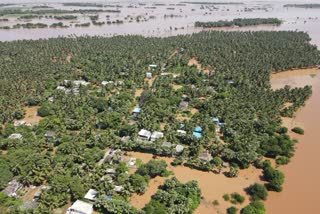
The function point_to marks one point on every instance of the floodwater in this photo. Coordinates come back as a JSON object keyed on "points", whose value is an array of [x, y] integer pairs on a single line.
{"points": [[301, 188], [178, 19], [213, 186]]}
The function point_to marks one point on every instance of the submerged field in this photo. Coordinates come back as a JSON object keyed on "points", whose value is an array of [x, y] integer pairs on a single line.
{"points": [[85, 90]]}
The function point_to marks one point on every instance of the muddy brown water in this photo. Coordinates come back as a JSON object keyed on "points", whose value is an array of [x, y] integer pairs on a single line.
{"points": [[301, 187]]}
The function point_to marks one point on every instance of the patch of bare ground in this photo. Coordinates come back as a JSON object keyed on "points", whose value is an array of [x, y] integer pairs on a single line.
{"points": [[293, 78], [30, 193], [194, 61], [213, 186], [4, 152], [176, 87], [68, 58], [31, 115], [194, 110], [150, 80], [182, 117], [138, 92], [162, 125]]}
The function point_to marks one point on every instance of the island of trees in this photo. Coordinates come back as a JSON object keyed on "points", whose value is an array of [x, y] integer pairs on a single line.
{"points": [[99, 98], [303, 5], [240, 22]]}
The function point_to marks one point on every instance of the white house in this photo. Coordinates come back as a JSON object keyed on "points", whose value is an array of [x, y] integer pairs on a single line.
{"points": [[182, 132], [15, 136], [156, 135], [91, 195], [105, 83], [77, 83], [179, 149], [144, 134], [118, 188], [153, 66], [80, 207], [149, 75]]}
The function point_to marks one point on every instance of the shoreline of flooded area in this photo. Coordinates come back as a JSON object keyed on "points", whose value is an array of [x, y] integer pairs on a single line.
{"points": [[300, 190]]}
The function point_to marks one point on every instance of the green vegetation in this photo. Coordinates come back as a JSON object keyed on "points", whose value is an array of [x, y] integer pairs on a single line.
{"points": [[255, 207], [66, 17], [215, 203], [283, 160], [78, 4], [258, 192], [51, 11], [114, 206], [41, 7], [239, 22], [226, 197], [153, 168], [175, 197], [58, 24], [298, 130], [274, 177], [30, 17], [30, 25], [236, 198], [93, 117], [87, 24], [232, 210], [303, 5], [6, 201]]}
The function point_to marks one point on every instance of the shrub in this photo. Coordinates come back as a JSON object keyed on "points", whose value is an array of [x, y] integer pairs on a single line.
{"points": [[226, 197], [298, 130], [275, 179], [258, 192], [255, 207], [232, 210], [236, 198], [215, 202], [282, 160]]}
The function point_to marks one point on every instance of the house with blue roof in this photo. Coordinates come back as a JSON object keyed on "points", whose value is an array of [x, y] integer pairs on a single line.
{"points": [[197, 134], [198, 129]]}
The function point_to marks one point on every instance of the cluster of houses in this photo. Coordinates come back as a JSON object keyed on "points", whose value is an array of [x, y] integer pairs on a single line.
{"points": [[111, 156], [148, 136], [115, 83], [72, 86]]}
